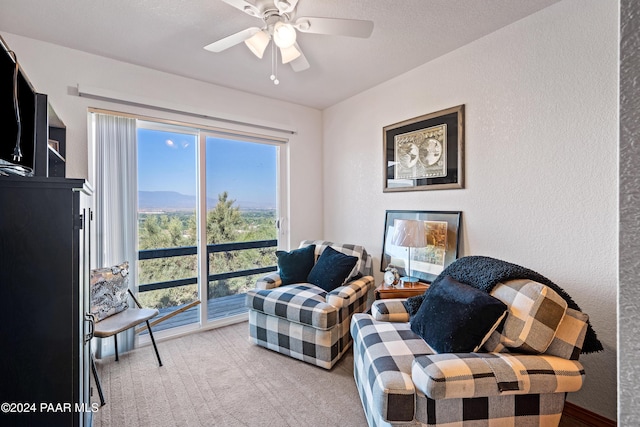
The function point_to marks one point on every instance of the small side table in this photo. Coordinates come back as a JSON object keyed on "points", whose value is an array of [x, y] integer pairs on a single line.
{"points": [[384, 292]]}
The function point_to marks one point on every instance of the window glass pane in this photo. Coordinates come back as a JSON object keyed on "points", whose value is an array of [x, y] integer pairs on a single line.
{"points": [[167, 191], [246, 171], [168, 301], [224, 305], [241, 184]]}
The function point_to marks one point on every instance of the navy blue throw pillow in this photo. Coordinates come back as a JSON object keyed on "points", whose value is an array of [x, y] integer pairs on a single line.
{"points": [[457, 318], [294, 266], [332, 269]]}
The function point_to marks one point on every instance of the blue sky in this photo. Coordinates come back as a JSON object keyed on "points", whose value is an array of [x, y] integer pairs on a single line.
{"points": [[247, 171]]}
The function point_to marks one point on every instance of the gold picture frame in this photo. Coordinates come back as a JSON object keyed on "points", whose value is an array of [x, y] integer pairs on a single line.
{"points": [[425, 153]]}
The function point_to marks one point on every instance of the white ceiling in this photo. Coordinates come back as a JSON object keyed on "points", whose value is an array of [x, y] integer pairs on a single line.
{"points": [[169, 35]]}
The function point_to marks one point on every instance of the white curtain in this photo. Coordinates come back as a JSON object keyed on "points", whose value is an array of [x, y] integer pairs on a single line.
{"points": [[116, 207]]}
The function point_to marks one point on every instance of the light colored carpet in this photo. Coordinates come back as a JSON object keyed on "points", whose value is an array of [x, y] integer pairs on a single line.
{"points": [[219, 378]]}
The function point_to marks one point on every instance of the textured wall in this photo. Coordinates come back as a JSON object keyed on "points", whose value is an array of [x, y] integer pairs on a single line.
{"points": [[629, 288], [541, 179]]}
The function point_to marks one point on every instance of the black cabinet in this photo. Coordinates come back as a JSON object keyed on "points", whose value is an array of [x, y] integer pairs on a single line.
{"points": [[45, 232], [50, 140]]}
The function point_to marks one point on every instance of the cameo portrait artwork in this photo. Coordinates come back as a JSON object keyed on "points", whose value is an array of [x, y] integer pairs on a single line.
{"points": [[422, 153]]}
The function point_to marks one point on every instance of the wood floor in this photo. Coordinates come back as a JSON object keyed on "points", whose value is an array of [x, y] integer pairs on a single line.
{"points": [[567, 421], [575, 416]]}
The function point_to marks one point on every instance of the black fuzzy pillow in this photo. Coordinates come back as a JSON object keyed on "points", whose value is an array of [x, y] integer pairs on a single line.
{"points": [[412, 304], [457, 318]]}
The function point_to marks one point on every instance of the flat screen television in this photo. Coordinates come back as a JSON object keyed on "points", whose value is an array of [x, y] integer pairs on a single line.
{"points": [[18, 112]]}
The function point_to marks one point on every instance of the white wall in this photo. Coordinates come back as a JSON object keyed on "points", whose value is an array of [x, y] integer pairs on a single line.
{"points": [[541, 160], [57, 71]]}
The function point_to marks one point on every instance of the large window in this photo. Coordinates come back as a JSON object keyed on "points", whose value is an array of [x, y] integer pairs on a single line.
{"points": [[208, 204]]}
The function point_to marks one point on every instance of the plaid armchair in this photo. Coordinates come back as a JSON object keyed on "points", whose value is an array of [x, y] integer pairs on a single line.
{"points": [[304, 321], [402, 381]]}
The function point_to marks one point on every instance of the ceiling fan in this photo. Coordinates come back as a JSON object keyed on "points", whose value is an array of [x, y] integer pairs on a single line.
{"points": [[281, 26]]}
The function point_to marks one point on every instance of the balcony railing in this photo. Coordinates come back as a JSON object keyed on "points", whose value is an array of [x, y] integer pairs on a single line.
{"points": [[211, 249]]}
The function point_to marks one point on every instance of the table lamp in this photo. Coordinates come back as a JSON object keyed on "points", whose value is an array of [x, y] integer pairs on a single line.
{"points": [[408, 233]]}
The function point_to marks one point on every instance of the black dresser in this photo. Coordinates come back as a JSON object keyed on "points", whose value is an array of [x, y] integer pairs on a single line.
{"points": [[45, 244]]}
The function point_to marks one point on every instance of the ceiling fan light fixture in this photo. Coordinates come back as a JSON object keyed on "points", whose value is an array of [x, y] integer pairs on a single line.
{"points": [[250, 11], [284, 35], [258, 43], [281, 25], [303, 24], [282, 4], [289, 54]]}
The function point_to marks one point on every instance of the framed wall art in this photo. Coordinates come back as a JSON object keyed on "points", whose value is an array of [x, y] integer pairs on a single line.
{"points": [[425, 153], [442, 235]]}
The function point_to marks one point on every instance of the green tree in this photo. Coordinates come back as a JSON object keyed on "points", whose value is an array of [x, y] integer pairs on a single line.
{"points": [[226, 223], [223, 221], [162, 231]]}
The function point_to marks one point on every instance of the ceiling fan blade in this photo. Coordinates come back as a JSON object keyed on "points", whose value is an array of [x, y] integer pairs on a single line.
{"points": [[244, 6], [300, 63], [232, 40], [335, 26], [285, 6]]}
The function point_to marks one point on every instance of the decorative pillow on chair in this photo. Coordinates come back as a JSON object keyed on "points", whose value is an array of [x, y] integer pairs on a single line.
{"points": [[332, 269], [567, 343], [535, 311], [294, 266], [355, 251], [109, 290], [360, 269], [457, 318]]}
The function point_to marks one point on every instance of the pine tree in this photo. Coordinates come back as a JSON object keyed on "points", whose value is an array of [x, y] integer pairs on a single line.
{"points": [[223, 221]]}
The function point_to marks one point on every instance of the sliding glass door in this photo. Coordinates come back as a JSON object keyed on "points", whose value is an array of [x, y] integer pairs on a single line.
{"points": [[241, 231], [167, 222], [207, 221]]}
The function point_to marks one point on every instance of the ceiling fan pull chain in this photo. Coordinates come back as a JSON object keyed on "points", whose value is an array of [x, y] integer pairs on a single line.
{"points": [[274, 64]]}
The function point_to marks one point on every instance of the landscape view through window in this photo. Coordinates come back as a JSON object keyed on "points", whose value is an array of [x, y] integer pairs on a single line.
{"points": [[241, 206]]}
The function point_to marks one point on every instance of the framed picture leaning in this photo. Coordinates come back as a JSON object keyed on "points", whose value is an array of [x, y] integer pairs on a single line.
{"points": [[442, 235]]}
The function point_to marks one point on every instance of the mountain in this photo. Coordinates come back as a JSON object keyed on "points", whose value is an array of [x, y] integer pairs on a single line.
{"points": [[165, 201], [174, 201]]}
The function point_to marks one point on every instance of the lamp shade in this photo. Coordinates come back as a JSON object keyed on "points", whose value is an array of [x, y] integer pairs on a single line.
{"points": [[258, 43], [289, 54], [409, 233]]}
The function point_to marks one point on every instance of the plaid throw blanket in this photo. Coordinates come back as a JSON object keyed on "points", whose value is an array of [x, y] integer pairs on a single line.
{"points": [[485, 273]]}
